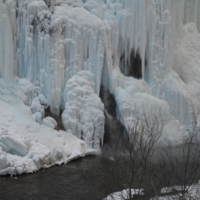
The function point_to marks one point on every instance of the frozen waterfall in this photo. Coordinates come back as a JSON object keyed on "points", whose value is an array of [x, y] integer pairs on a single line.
{"points": [[57, 54]]}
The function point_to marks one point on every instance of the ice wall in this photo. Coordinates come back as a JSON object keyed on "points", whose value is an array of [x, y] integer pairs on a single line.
{"points": [[155, 29], [54, 45]]}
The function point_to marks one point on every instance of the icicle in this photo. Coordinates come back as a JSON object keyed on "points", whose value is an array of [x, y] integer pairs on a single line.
{"points": [[7, 46]]}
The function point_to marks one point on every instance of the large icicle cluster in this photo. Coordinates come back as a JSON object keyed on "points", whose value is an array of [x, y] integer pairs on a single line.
{"points": [[59, 53], [54, 46], [83, 114], [26, 146]]}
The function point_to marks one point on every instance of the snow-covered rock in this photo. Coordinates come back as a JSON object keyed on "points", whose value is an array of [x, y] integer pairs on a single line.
{"points": [[191, 192], [50, 122], [125, 194]]}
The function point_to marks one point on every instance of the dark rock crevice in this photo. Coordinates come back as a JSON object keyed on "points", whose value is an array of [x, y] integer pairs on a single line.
{"points": [[133, 67], [113, 127], [57, 118]]}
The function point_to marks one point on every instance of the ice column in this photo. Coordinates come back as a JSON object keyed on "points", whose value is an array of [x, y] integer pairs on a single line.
{"points": [[55, 46], [83, 114], [7, 47]]}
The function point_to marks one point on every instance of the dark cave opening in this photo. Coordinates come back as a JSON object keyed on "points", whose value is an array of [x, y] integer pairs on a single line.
{"points": [[132, 68]]}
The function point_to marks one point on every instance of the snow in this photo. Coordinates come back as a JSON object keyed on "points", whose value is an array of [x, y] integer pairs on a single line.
{"points": [[37, 110], [26, 146], [12, 146], [124, 194], [192, 192], [50, 122]]}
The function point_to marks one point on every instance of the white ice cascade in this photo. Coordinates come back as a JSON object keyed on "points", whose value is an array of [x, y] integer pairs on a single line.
{"points": [[154, 29], [140, 26], [7, 38], [53, 47]]}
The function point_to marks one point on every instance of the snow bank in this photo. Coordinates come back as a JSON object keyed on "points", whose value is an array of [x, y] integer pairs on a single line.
{"points": [[26, 146], [192, 192], [124, 194]]}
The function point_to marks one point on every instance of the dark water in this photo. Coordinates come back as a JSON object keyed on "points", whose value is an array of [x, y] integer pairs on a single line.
{"points": [[82, 179], [76, 180]]}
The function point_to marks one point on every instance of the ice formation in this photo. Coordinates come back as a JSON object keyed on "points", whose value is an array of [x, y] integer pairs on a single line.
{"points": [[25, 145], [59, 52], [83, 114]]}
